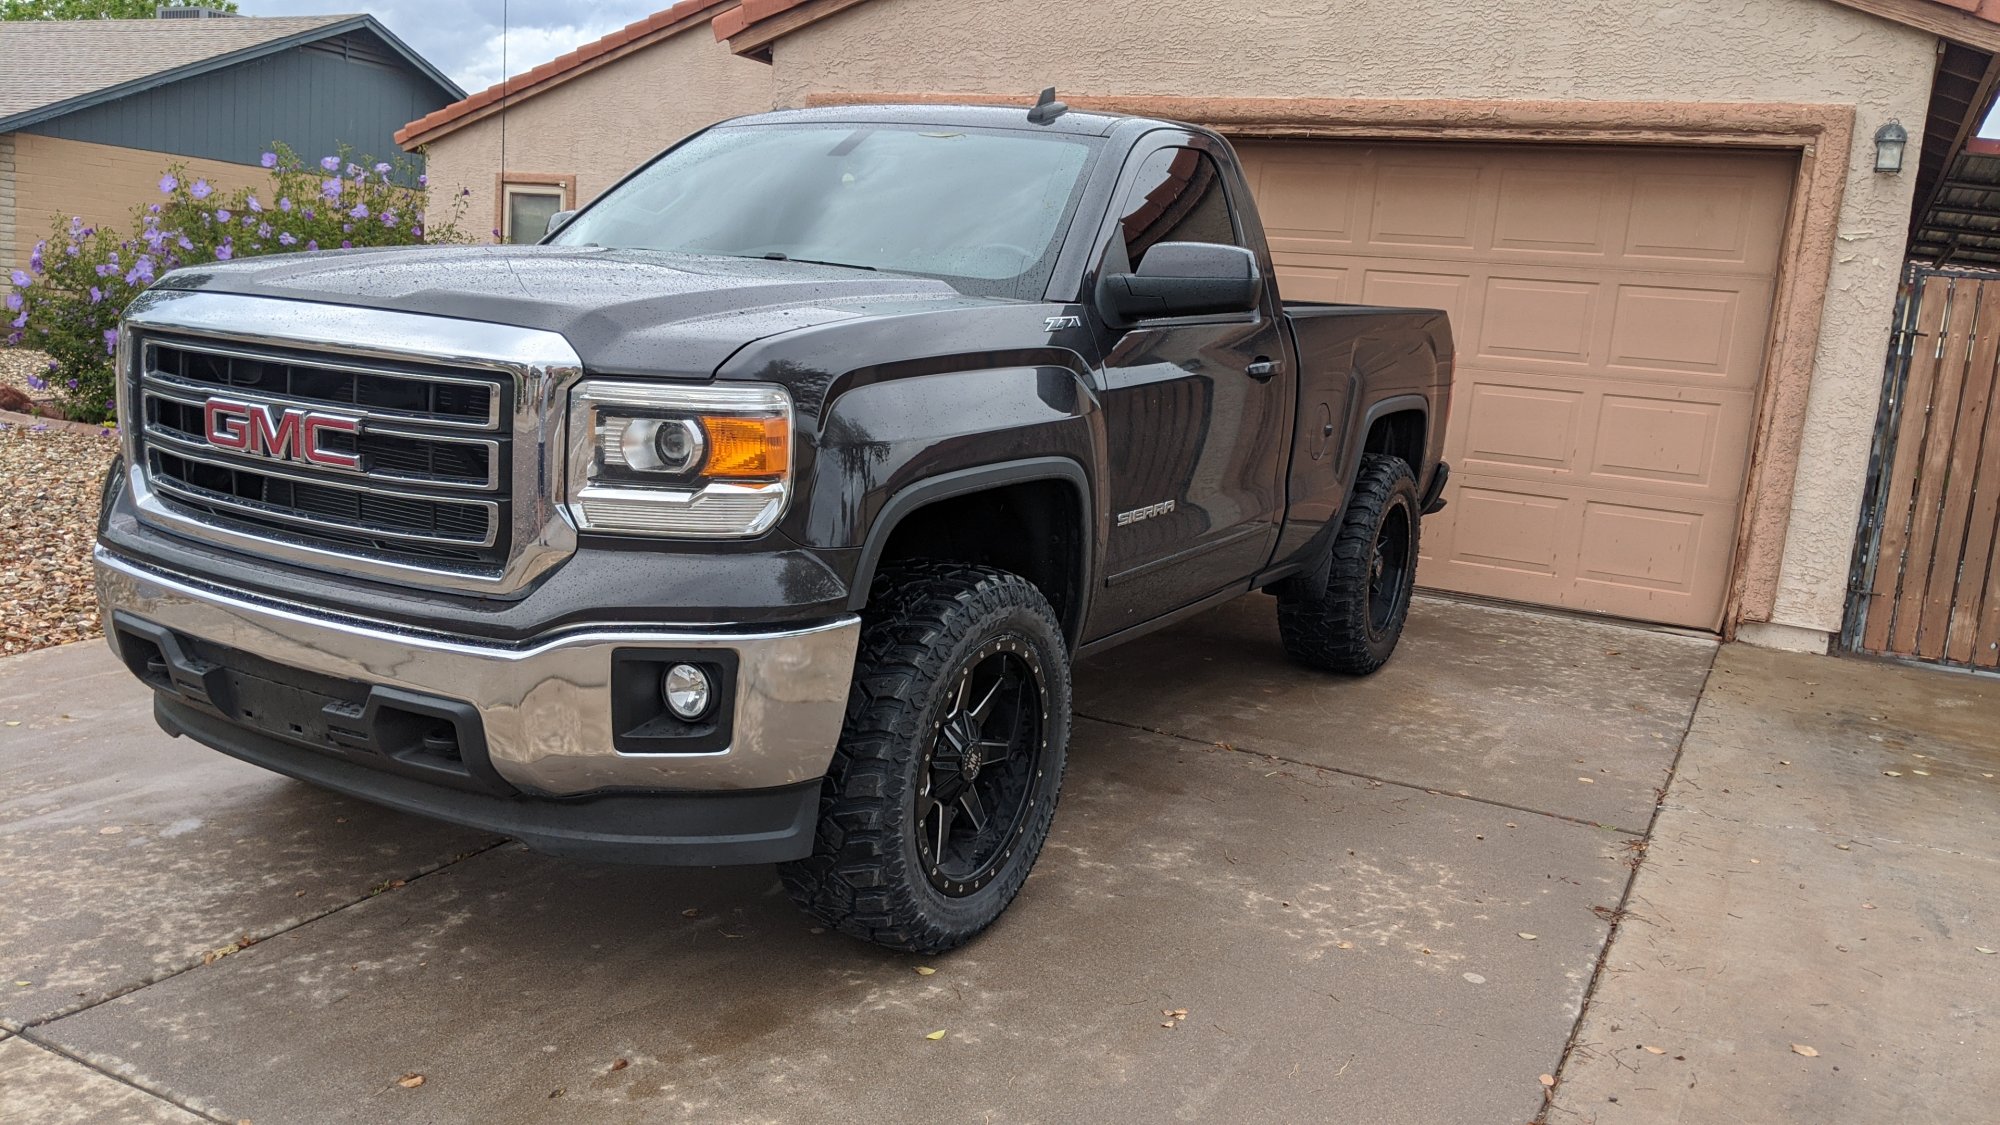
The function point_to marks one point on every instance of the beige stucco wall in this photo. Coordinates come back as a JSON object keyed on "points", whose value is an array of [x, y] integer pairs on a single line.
{"points": [[1693, 50], [601, 125], [55, 179]]}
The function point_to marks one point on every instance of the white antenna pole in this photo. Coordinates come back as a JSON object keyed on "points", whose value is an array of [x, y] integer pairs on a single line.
{"points": [[506, 95]]}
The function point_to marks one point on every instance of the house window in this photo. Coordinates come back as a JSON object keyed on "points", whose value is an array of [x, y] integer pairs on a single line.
{"points": [[526, 202]]}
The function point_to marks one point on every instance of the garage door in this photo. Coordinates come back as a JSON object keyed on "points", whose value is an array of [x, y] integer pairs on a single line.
{"points": [[1610, 308]]}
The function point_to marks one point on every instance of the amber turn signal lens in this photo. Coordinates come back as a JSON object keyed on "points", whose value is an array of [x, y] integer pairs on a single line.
{"points": [[747, 448]]}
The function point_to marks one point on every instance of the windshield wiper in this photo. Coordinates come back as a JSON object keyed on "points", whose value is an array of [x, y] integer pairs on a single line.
{"points": [[774, 256]]}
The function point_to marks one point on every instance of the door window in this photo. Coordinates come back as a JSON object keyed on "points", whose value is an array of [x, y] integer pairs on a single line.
{"points": [[1177, 197]]}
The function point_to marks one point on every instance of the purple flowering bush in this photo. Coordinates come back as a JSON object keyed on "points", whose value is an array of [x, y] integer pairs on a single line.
{"points": [[79, 280]]}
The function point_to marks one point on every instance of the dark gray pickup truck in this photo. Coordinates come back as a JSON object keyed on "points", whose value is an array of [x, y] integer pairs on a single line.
{"points": [[758, 514]]}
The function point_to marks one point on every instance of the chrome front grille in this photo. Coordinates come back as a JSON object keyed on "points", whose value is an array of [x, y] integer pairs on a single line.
{"points": [[363, 441], [420, 487]]}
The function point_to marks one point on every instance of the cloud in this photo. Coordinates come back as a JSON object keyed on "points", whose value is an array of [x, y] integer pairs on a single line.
{"points": [[464, 38]]}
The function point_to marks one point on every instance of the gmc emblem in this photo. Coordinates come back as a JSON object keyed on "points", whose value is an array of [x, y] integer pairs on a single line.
{"points": [[279, 432]]}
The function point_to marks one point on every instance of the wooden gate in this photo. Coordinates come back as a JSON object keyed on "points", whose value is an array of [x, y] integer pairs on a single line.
{"points": [[1927, 568]]}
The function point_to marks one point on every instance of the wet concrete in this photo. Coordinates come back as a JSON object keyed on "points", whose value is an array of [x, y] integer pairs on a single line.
{"points": [[1561, 715], [1344, 946], [126, 856], [1826, 873]]}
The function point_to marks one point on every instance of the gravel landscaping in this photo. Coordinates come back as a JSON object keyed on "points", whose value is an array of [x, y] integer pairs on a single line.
{"points": [[50, 478]]}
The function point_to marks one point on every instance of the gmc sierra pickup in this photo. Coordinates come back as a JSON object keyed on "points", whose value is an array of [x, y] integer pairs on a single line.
{"points": [[759, 512]]}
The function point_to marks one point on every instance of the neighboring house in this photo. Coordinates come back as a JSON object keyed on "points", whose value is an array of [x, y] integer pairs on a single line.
{"points": [[92, 111], [1670, 261], [571, 127]]}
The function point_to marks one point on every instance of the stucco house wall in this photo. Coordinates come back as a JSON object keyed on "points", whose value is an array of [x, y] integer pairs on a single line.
{"points": [[1753, 51], [55, 179], [599, 125]]}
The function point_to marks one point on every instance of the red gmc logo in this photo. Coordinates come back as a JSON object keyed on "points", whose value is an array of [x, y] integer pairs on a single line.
{"points": [[283, 433]]}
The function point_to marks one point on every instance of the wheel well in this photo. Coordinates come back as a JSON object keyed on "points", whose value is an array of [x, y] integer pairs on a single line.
{"points": [[1400, 434], [1033, 529]]}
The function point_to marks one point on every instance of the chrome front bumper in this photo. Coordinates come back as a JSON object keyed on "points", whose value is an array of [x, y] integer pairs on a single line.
{"points": [[545, 706]]}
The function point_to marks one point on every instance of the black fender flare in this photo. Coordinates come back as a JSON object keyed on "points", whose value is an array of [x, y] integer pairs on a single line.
{"points": [[1311, 577], [965, 482], [1394, 404]]}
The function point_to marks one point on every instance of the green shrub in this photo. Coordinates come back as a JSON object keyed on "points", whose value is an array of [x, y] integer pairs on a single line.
{"points": [[79, 280]]}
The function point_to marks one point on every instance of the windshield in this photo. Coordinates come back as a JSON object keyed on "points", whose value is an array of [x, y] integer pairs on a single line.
{"points": [[982, 210]]}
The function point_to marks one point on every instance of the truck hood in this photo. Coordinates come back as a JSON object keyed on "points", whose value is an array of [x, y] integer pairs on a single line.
{"points": [[626, 312]]}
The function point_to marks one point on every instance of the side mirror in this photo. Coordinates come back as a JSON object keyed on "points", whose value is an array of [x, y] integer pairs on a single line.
{"points": [[1183, 279], [557, 220]]}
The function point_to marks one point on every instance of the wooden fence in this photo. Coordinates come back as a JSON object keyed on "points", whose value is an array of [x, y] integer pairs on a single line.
{"points": [[1927, 575]]}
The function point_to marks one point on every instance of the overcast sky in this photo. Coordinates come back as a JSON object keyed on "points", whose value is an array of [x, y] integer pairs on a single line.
{"points": [[463, 38]]}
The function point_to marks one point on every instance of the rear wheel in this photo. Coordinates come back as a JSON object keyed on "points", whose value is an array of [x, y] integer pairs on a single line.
{"points": [[945, 780], [1352, 624]]}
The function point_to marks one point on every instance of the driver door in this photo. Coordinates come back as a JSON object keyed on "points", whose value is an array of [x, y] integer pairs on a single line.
{"points": [[1196, 409]]}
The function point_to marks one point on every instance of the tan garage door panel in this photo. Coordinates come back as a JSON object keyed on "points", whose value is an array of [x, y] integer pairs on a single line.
{"points": [[1610, 308]]}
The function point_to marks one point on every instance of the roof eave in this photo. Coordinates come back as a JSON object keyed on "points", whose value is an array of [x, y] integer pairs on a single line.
{"points": [[367, 23], [758, 25], [506, 93]]}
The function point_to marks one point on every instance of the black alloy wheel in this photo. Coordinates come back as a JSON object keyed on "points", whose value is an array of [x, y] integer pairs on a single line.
{"points": [[978, 781], [1390, 575]]}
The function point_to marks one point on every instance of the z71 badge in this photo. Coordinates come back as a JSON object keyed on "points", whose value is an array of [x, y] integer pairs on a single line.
{"points": [[1058, 323], [1145, 513]]}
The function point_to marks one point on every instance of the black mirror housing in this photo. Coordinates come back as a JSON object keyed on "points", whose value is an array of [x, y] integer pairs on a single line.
{"points": [[1183, 279]]}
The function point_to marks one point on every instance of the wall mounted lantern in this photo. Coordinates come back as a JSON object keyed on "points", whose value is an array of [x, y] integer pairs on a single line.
{"points": [[1890, 140]]}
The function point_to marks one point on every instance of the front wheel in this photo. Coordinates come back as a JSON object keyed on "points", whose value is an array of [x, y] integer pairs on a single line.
{"points": [[945, 780], [1354, 622]]}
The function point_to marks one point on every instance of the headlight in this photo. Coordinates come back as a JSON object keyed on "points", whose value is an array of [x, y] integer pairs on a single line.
{"points": [[709, 462]]}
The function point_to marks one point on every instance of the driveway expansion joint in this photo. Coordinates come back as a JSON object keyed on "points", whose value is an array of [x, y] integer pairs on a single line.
{"points": [[1426, 789], [1618, 914], [28, 1036], [202, 961]]}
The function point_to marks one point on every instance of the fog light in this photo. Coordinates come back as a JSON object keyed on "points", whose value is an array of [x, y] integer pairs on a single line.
{"points": [[687, 691]]}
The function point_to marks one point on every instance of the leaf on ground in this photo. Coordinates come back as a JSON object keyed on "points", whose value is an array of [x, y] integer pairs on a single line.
{"points": [[410, 1081], [1802, 1049], [1548, 1079], [1588, 780], [620, 1064], [1653, 1050], [690, 912], [1892, 773], [925, 970], [1525, 936], [935, 1035], [1980, 948]]}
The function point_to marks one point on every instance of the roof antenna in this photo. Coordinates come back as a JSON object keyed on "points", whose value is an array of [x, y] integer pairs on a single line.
{"points": [[1047, 108]]}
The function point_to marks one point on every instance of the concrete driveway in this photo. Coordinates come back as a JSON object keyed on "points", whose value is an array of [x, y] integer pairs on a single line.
{"points": [[1377, 900]]}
